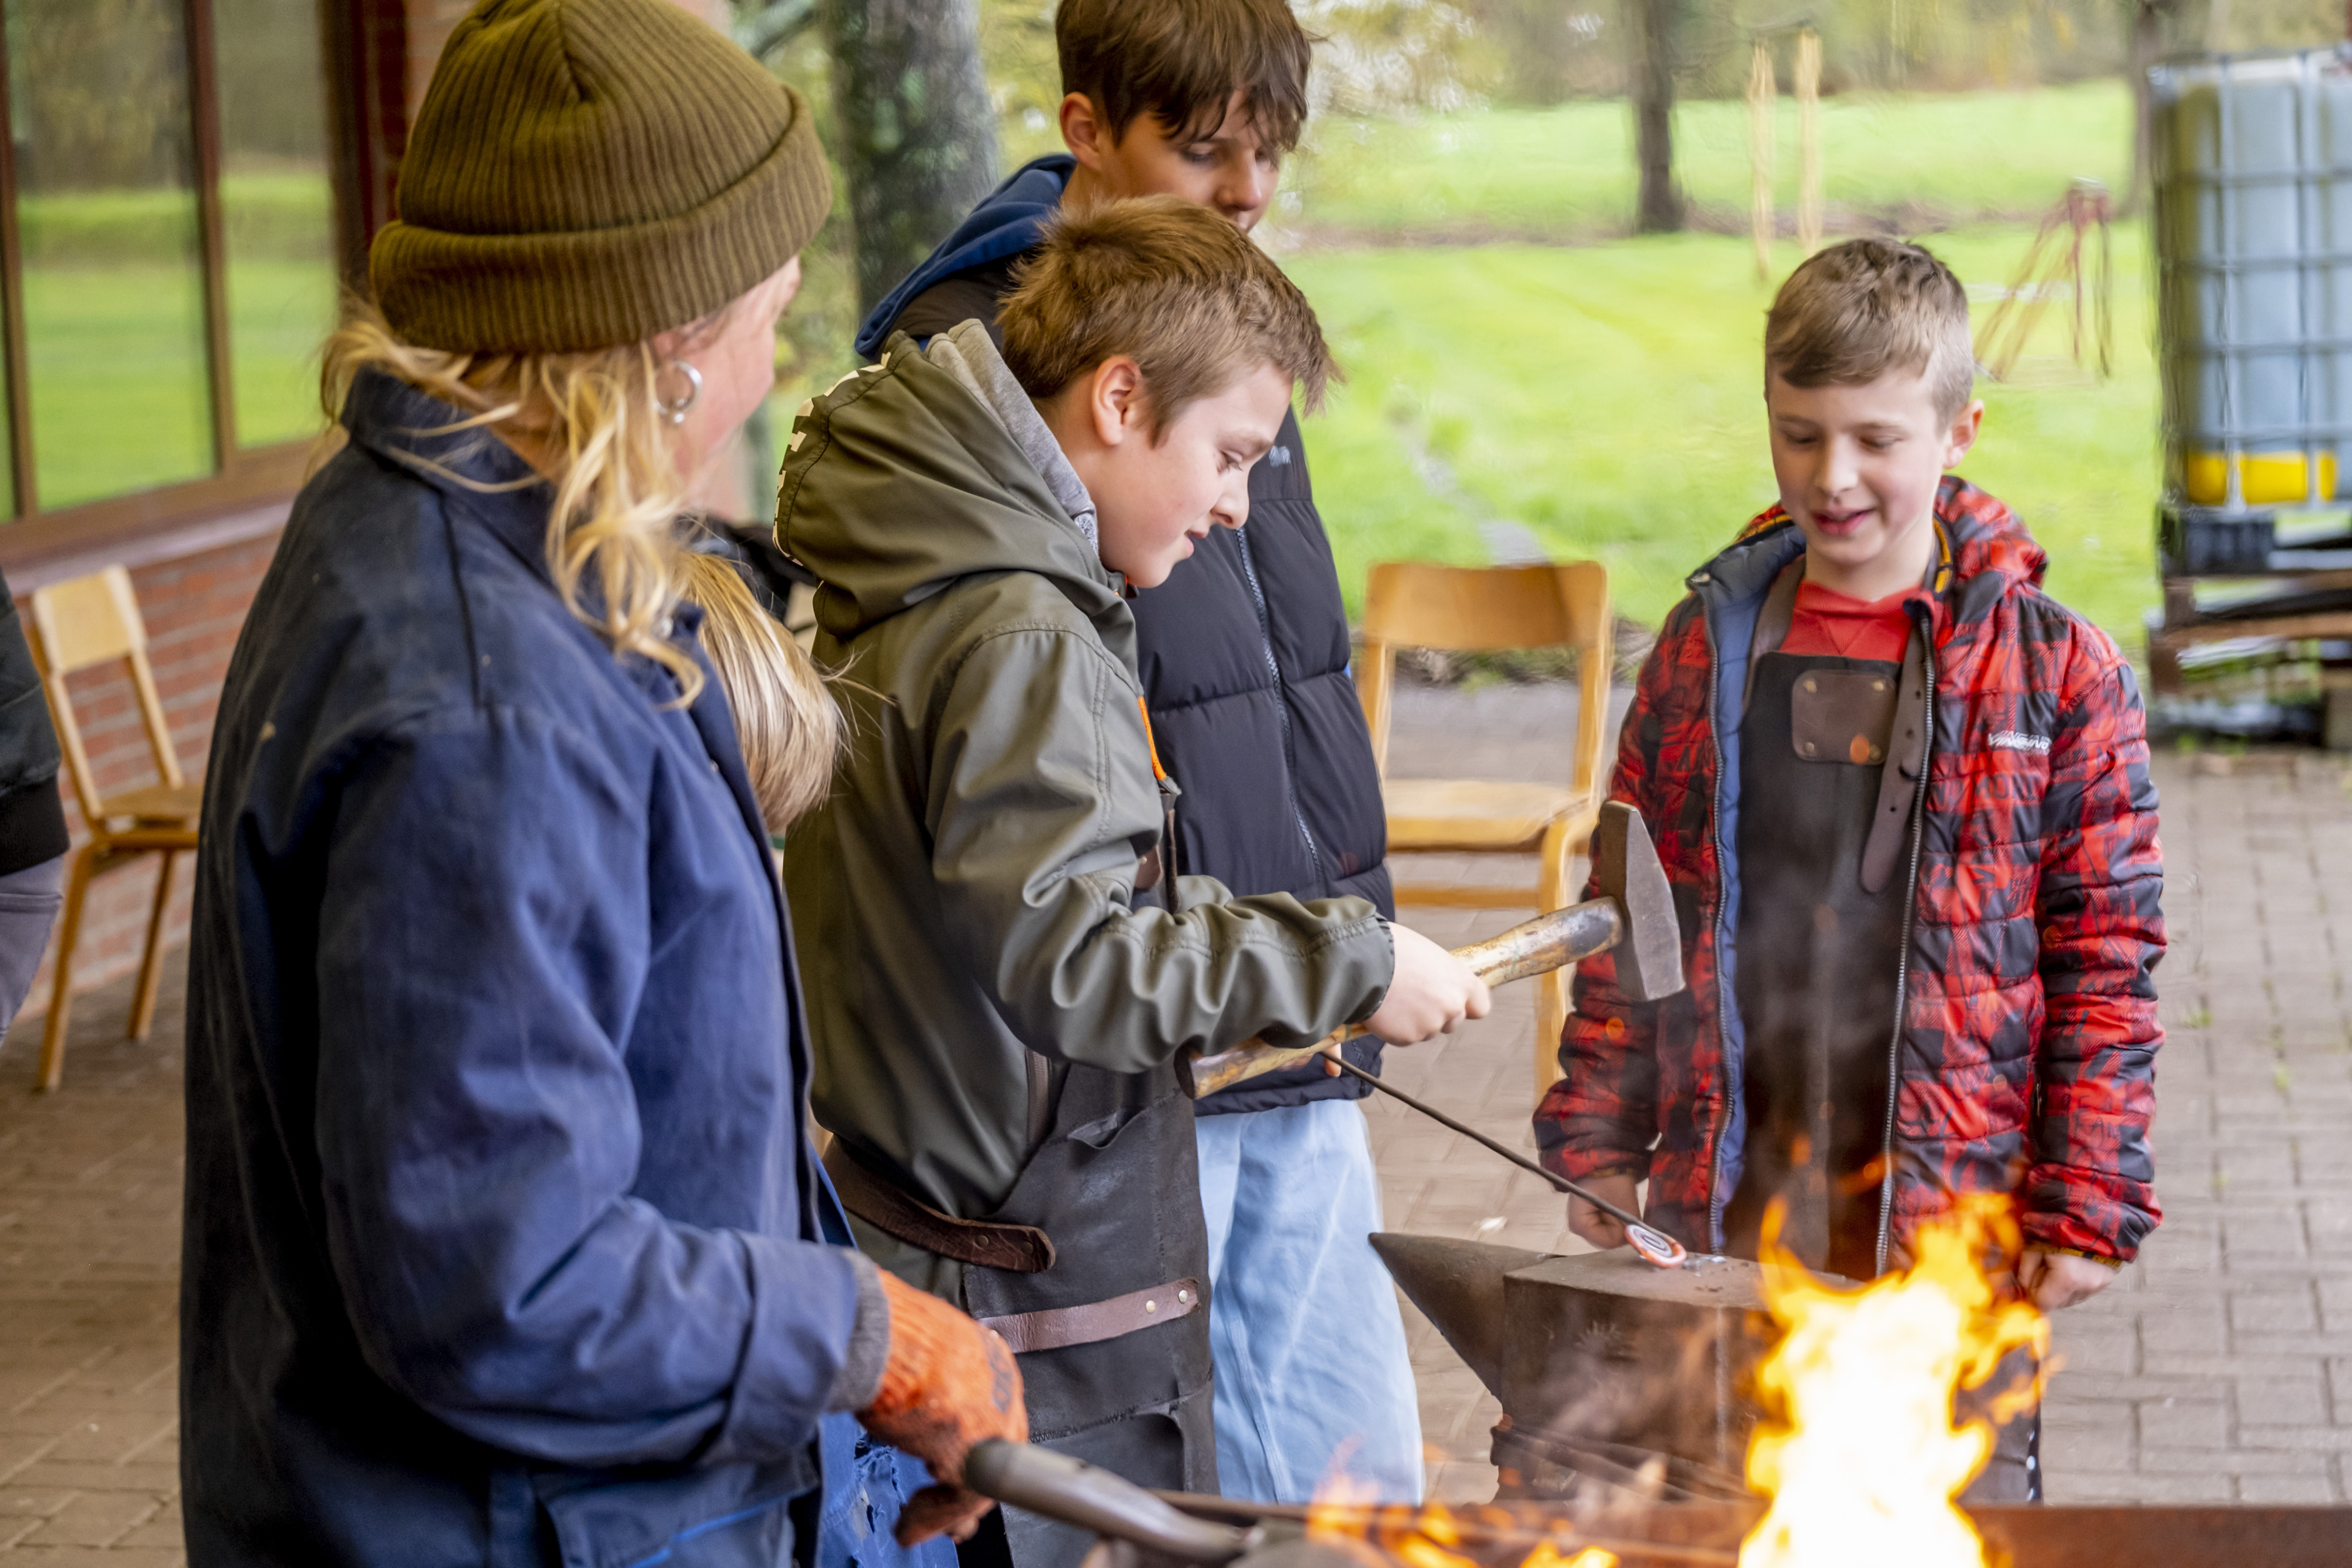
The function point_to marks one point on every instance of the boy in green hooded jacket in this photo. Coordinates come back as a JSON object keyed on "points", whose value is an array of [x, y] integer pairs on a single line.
{"points": [[1000, 963]]}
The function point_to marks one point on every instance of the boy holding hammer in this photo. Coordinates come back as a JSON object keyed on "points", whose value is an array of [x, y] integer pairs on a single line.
{"points": [[1243, 655], [1002, 957], [1902, 795]]}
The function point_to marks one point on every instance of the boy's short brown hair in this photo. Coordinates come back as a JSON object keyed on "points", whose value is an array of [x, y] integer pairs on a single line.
{"points": [[1181, 61], [1861, 309], [1179, 289]]}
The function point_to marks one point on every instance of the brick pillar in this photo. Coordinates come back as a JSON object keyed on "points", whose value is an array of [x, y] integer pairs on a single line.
{"points": [[429, 25], [429, 22]]}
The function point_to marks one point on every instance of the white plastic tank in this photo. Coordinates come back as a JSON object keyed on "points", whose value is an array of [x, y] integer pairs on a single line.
{"points": [[2252, 166]]}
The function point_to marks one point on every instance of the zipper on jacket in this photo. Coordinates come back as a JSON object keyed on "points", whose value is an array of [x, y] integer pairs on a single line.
{"points": [[1715, 1196], [1903, 958], [1281, 706]]}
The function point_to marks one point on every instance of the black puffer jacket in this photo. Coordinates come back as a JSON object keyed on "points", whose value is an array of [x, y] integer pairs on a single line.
{"points": [[32, 815], [1243, 653]]}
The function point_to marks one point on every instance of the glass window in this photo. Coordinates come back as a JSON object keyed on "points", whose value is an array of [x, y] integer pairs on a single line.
{"points": [[113, 280], [277, 212]]}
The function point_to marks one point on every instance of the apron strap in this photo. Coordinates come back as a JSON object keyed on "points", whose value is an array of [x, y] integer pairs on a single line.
{"points": [[1898, 779], [1055, 1328], [1772, 622], [1015, 1249]]}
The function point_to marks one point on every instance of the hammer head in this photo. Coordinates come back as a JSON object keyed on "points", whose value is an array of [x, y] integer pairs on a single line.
{"points": [[1626, 867]]}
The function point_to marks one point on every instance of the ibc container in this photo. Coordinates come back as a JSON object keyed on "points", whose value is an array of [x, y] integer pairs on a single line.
{"points": [[2251, 157]]}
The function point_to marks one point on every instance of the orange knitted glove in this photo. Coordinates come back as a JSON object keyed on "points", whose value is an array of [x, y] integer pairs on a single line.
{"points": [[948, 1384]]}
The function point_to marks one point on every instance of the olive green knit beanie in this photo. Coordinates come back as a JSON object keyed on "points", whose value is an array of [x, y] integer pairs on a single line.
{"points": [[586, 173]]}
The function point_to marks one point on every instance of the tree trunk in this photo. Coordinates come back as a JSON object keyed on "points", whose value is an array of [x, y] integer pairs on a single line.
{"points": [[1658, 206], [918, 133]]}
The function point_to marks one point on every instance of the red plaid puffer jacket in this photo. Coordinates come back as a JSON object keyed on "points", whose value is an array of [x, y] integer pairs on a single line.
{"points": [[2030, 1031]]}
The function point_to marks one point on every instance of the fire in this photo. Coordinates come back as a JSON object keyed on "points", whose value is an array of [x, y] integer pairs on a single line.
{"points": [[1346, 1513], [1862, 1462]]}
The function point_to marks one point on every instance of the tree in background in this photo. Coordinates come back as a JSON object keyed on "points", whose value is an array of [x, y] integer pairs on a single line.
{"points": [[1653, 38], [918, 134], [1386, 56], [2149, 20]]}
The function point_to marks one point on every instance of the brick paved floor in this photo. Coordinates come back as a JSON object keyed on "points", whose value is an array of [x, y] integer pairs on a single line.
{"points": [[90, 1268], [2212, 1370]]}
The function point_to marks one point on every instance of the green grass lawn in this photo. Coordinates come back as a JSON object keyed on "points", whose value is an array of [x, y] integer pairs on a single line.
{"points": [[1568, 172], [117, 356], [283, 212], [118, 369], [1605, 396], [1608, 399], [279, 312], [115, 336]]}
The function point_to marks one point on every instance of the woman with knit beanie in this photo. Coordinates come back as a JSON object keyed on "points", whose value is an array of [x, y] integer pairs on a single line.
{"points": [[504, 1241]]}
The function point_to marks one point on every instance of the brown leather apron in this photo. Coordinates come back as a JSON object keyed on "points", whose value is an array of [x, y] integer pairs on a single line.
{"points": [[1823, 794], [1113, 1340], [1094, 1269]]}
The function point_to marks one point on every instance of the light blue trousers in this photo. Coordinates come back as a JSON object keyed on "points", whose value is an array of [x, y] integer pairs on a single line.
{"points": [[1303, 1320]]}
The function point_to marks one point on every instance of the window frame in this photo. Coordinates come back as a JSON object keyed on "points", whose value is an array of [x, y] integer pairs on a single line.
{"points": [[364, 49]]}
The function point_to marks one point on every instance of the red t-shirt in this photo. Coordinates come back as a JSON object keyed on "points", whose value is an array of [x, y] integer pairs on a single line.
{"points": [[1825, 622]]}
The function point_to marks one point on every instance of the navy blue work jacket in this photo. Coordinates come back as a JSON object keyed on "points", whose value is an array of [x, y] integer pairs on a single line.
{"points": [[500, 1243]]}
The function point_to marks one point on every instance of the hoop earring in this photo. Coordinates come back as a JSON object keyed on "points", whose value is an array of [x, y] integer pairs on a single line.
{"points": [[674, 409]]}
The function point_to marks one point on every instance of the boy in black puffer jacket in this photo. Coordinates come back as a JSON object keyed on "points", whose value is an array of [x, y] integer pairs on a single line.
{"points": [[32, 818], [1243, 654]]}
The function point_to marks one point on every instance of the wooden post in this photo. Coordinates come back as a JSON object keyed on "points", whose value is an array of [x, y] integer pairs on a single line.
{"points": [[1761, 92], [1809, 141]]}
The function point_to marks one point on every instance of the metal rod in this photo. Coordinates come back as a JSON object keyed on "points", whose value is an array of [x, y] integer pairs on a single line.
{"points": [[1559, 1182], [1472, 1529]]}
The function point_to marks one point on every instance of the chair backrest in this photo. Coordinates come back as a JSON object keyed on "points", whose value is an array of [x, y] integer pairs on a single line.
{"points": [[1417, 604], [80, 625]]}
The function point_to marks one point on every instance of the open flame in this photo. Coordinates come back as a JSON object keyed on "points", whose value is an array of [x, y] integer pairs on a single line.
{"points": [[1348, 1513], [1859, 1455]]}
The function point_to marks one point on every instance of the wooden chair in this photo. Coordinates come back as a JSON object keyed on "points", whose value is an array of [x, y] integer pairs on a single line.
{"points": [[1413, 605], [79, 625]]}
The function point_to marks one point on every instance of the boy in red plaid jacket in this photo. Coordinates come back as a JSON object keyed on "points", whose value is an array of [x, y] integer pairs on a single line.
{"points": [[1902, 795]]}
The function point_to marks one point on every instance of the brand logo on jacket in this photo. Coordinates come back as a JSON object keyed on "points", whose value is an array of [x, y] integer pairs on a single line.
{"points": [[2018, 740]]}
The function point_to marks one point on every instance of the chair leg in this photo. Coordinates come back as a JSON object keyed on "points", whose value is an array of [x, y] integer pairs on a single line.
{"points": [[151, 963], [1552, 892], [53, 1035]]}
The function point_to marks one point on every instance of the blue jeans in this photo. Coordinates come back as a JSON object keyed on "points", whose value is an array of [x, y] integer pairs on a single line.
{"points": [[1303, 1321], [29, 901]]}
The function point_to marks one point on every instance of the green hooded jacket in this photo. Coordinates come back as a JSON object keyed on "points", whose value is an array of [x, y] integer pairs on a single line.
{"points": [[967, 894]]}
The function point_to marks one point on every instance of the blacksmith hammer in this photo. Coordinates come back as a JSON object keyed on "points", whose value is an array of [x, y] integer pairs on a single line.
{"points": [[1635, 915]]}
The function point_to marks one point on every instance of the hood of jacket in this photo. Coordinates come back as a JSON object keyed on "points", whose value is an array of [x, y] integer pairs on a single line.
{"points": [[899, 482], [1004, 223]]}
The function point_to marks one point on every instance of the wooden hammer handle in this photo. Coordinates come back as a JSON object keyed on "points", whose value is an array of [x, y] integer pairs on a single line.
{"points": [[1538, 947], [1547, 942]]}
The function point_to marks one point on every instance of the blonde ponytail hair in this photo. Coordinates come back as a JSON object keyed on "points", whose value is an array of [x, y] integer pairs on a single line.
{"points": [[785, 720], [596, 415]]}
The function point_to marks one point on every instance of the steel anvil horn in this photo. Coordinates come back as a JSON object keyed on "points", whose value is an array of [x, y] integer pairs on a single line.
{"points": [[1633, 916]]}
